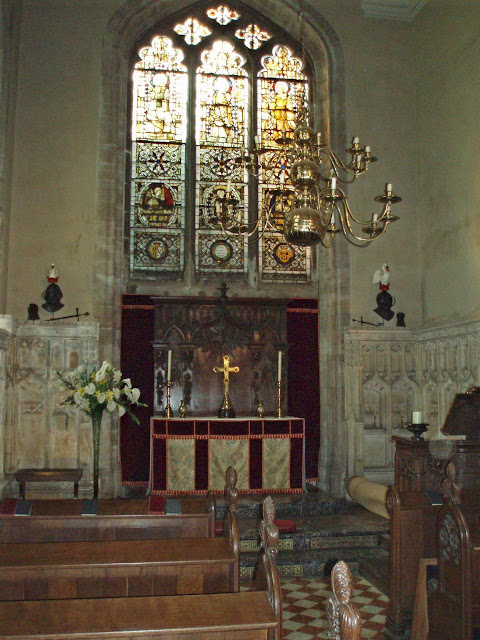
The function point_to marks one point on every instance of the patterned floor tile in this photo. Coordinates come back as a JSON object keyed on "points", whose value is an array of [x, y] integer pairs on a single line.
{"points": [[304, 608]]}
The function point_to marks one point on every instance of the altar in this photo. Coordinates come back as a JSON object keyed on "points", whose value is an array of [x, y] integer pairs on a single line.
{"points": [[191, 455]]}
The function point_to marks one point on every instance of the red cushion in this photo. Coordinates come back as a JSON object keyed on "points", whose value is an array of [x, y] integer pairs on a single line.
{"points": [[284, 526], [156, 504]]}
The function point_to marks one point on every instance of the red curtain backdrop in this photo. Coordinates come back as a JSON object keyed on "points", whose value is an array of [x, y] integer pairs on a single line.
{"points": [[137, 363], [138, 315], [303, 376]]}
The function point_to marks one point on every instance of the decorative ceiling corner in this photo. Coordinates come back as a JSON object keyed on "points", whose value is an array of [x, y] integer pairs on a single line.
{"points": [[392, 9]]}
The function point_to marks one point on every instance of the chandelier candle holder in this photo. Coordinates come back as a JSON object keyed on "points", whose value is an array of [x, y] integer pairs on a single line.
{"points": [[320, 206]]}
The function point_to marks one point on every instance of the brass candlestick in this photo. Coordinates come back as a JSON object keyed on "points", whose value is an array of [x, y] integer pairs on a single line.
{"points": [[168, 408], [279, 399]]}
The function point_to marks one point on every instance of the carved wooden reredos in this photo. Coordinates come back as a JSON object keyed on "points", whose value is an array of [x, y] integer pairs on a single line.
{"points": [[199, 331]]}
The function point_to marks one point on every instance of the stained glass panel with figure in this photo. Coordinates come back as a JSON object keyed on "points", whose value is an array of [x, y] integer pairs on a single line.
{"points": [[222, 90], [158, 158], [282, 92]]}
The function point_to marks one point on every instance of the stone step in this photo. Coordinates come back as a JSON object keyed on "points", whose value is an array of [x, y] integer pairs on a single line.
{"points": [[310, 563], [376, 570], [300, 505], [385, 542]]}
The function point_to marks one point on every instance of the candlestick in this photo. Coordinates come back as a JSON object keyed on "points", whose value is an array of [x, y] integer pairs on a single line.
{"points": [[169, 366], [168, 408], [279, 399], [279, 376]]}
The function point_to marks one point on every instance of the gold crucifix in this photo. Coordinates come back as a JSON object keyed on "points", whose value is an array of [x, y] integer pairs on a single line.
{"points": [[226, 409]]}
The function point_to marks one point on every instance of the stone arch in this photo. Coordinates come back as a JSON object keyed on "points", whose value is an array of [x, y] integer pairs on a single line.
{"points": [[127, 25]]}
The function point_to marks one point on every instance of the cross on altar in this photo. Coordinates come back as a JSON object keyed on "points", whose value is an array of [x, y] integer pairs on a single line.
{"points": [[226, 409]]}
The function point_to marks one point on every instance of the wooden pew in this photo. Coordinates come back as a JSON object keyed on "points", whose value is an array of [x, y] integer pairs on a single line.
{"points": [[454, 607], [343, 616], [122, 568], [252, 615], [62, 521]]}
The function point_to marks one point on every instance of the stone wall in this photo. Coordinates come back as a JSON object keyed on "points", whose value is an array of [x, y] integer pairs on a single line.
{"points": [[34, 432], [392, 372]]}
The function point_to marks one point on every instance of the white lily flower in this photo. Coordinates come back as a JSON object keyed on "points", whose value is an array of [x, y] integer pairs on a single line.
{"points": [[127, 382], [117, 376], [100, 398], [78, 398], [90, 389], [135, 395], [116, 393], [100, 375], [121, 410], [111, 406]]}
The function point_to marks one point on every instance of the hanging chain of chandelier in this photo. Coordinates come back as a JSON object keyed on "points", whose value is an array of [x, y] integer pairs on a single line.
{"points": [[315, 207]]}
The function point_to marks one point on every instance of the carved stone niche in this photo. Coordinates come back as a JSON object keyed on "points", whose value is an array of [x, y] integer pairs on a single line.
{"points": [[199, 331]]}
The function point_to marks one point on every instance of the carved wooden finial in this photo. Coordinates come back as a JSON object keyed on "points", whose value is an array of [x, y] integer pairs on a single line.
{"points": [[343, 617], [450, 487], [269, 534], [231, 491]]}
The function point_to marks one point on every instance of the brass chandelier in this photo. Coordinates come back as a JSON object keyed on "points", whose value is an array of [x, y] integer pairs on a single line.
{"points": [[316, 208], [309, 198]]}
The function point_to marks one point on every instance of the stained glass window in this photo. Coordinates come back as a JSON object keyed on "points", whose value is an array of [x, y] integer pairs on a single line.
{"points": [[282, 90], [253, 36], [202, 90], [193, 31], [223, 14], [157, 212], [222, 104]]}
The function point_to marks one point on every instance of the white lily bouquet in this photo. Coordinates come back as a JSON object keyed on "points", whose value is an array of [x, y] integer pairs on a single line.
{"points": [[94, 391]]}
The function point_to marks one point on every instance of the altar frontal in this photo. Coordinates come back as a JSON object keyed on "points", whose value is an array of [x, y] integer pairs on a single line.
{"points": [[190, 456]]}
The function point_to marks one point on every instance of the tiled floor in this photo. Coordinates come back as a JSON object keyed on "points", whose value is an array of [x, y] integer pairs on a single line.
{"points": [[304, 616]]}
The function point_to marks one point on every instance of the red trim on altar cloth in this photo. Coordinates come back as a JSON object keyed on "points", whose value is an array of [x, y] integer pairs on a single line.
{"points": [[205, 476]]}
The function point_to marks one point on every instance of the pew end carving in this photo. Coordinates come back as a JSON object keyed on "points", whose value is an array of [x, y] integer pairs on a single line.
{"points": [[266, 575], [230, 527], [454, 607], [343, 616]]}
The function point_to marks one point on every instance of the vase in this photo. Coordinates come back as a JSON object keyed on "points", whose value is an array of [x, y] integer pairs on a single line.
{"points": [[96, 424]]}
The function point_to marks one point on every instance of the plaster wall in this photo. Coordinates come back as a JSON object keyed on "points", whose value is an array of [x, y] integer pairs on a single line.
{"points": [[57, 131], [447, 41]]}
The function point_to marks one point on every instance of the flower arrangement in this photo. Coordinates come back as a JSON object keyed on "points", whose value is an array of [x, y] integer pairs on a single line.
{"points": [[93, 391]]}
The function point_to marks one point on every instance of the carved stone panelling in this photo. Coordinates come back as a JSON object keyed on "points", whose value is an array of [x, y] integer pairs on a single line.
{"points": [[390, 372], [34, 431]]}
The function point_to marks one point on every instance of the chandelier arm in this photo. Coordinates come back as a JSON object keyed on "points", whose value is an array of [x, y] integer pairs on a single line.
{"points": [[347, 227], [361, 222]]}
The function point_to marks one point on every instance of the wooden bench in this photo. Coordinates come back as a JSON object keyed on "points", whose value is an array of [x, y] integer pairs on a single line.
{"points": [[22, 476], [62, 521], [454, 607], [125, 568], [252, 615]]}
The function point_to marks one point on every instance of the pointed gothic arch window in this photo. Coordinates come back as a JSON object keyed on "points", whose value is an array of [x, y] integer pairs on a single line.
{"points": [[205, 86]]}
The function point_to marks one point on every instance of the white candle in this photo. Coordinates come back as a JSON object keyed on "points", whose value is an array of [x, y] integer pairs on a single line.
{"points": [[169, 365], [333, 183], [279, 366], [375, 216], [389, 186], [319, 138], [416, 417], [367, 148], [356, 140], [257, 140], [282, 179]]}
